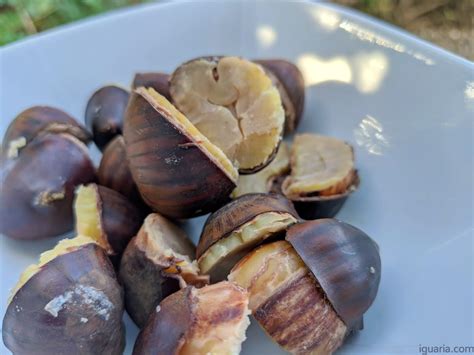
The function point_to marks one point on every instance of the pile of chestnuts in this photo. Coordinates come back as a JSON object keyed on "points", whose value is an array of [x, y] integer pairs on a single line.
{"points": [[205, 139]]}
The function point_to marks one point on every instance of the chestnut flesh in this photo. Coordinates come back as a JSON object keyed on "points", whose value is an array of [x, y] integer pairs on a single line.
{"points": [[156, 263], [29, 123], [104, 114], [210, 320], [238, 227], [156, 80], [70, 303], [38, 187], [178, 171]]}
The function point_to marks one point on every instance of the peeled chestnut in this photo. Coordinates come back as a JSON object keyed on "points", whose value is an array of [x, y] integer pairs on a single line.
{"points": [[210, 320], [157, 81], [104, 114], [156, 263], [322, 175], [38, 186], [290, 84], [29, 123], [265, 179], [233, 102], [317, 284], [178, 171], [69, 303], [106, 216], [238, 227], [114, 171]]}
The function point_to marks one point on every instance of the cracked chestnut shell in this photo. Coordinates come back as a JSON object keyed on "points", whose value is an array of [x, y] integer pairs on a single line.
{"points": [[233, 102], [156, 80], [104, 114], [38, 186], [70, 303], [34, 120], [106, 216], [238, 227], [317, 284], [178, 171], [290, 84], [156, 263], [210, 320], [323, 175]]}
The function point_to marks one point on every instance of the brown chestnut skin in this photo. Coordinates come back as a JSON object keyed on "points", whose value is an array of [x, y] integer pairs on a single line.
{"points": [[38, 187], [174, 176], [119, 220], [104, 114], [156, 80], [210, 320], [291, 86], [344, 260], [145, 269], [72, 305], [29, 123]]}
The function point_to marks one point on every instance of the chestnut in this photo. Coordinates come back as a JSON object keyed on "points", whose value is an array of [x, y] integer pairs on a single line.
{"points": [[265, 180], [290, 84], [234, 103], [318, 284], [104, 114], [69, 303], [155, 80], [114, 171], [178, 171], [156, 263], [210, 320], [29, 123], [238, 227], [38, 186], [106, 216], [322, 175]]}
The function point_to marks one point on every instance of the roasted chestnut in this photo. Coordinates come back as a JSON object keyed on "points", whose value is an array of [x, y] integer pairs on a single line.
{"points": [[233, 102], [156, 263], [106, 216], [104, 114], [322, 175], [317, 284], [114, 171], [38, 186], [157, 81], [29, 123], [265, 179], [238, 227], [69, 303], [290, 84], [178, 171], [210, 320]]}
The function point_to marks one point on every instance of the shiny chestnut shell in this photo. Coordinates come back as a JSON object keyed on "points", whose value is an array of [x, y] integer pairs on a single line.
{"points": [[174, 176], [36, 119], [38, 187], [344, 260], [104, 114], [79, 327], [156, 80]]}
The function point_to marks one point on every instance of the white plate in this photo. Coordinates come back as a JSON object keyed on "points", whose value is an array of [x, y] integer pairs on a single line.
{"points": [[405, 105]]}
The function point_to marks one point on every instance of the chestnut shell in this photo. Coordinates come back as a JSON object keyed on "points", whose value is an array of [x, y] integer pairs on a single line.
{"points": [[38, 187], [238, 212], [344, 260], [104, 114], [29, 329], [36, 119], [156, 80], [174, 176]]}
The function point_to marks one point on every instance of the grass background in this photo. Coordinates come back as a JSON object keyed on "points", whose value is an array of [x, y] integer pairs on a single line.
{"points": [[448, 23]]}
